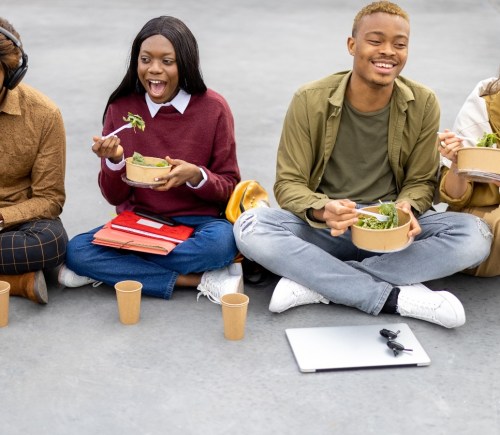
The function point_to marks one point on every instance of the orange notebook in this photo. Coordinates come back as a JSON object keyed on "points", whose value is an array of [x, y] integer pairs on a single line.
{"points": [[107, 236], [129, 222]]}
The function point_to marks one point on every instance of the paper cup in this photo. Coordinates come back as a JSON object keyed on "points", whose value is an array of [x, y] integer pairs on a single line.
{"points": [[234, 315], [128, 295], [4, 303]]}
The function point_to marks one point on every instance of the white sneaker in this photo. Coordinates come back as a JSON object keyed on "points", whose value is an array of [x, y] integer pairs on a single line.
{"points": [[216, 283], [68, 278], [440, 307], [288, 294]]}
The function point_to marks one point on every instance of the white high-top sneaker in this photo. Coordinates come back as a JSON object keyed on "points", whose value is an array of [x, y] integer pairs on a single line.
{"points": [[440, 307], [216, 283], [68, 278], [288, 294]]}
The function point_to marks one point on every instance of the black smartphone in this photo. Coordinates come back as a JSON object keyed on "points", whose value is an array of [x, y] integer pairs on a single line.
{"points": [[155, 217]]}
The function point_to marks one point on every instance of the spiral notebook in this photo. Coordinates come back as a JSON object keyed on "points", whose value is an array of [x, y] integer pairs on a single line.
{"points": [[353, 347]]}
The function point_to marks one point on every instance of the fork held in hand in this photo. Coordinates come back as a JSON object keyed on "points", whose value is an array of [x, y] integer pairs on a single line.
{"points": [[123, 127], [379, 217]]}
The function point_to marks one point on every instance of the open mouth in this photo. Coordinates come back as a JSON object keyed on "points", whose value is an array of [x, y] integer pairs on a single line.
{"points": [[157, 87], [384, 66]]}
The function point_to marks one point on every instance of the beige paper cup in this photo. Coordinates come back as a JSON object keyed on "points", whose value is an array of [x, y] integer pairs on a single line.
{"points": [[4, 303], [128, 295], [234, 315]]}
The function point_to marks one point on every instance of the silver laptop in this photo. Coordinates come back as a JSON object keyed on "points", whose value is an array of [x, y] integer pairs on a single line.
{"points": [[354, 347]]}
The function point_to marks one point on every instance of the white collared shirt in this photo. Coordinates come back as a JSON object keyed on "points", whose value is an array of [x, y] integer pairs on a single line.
{"points": [[180, 103]]}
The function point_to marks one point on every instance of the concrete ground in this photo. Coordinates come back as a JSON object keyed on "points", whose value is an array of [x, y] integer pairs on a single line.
{"points": [[71, 368]]}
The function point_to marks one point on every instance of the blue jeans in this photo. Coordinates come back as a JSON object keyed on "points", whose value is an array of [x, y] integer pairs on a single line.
{"points": [[335, 268], [211, 246]]}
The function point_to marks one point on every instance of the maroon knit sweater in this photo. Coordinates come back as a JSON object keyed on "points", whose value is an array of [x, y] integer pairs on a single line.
{"points": [[203, 135]]}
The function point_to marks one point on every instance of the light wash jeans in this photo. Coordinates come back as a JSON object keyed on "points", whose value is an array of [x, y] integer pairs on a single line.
{"points": [[211, 246], [332, 266]]}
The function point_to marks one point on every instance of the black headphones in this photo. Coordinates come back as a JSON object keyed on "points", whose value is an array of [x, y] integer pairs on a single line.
{"points": [[13, 78]]}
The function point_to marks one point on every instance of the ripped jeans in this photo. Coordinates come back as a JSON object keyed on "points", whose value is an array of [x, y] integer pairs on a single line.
{"points": [[332, 266]]}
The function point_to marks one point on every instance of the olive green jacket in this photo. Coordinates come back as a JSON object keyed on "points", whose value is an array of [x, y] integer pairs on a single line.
{"points": [[310, 130]]}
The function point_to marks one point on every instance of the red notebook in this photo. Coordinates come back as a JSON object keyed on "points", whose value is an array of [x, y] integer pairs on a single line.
{"points": [[131, 223], [107, 236]]}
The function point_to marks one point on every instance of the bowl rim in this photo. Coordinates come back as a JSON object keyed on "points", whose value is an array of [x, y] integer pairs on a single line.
{"points": [[383, 229], [379, 230], [129, 161], [476, 148]]}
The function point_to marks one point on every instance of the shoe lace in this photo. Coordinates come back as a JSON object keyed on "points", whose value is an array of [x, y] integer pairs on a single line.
{"points": [[213, 286], [303, 294], [422, 309], [96, 284], [209, 295], [210, 289]]}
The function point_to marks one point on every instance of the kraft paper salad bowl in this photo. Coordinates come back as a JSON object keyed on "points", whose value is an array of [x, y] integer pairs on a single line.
{"points": [[479, 161], [382, 240], [147, 170]]}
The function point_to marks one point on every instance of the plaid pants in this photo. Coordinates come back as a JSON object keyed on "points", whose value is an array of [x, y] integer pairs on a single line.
{"points": [[32, 246]]}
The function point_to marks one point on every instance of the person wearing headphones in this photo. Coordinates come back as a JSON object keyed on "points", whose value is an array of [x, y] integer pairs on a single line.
{"points": [[32, 194]]}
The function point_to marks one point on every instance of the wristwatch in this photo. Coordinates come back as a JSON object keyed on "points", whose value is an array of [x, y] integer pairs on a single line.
{"points": [[1, 224]]}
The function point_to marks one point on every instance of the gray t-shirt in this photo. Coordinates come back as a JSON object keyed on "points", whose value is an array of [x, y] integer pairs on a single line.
{"points": [[359, 166]]}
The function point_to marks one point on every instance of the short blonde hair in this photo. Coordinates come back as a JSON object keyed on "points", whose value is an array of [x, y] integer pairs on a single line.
{"points": [[380, 6]]}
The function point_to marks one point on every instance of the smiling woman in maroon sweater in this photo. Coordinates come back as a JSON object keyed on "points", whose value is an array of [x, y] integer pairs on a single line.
{"points": [[193, 129]]}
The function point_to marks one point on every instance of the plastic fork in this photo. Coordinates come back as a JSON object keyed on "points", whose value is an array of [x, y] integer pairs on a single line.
{"points": [[378, 216], [123, 127]]}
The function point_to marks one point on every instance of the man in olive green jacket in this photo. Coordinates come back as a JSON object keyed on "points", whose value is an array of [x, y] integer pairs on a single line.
{"points": [[316, 109], [354, 139]]}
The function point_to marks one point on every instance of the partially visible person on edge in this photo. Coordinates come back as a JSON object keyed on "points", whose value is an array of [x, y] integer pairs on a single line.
{"points": [[193, 128], [350, 140], [32, 195], [480, 114]]}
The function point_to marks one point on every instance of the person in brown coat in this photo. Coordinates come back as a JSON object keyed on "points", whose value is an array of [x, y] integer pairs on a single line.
{"points": [[32, 195]]}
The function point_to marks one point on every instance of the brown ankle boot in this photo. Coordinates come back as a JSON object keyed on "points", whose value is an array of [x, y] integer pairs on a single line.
{"points": [[29, 285]]}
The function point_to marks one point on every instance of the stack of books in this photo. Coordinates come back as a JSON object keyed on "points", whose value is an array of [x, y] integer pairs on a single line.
{"points": [[131, 231]]}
